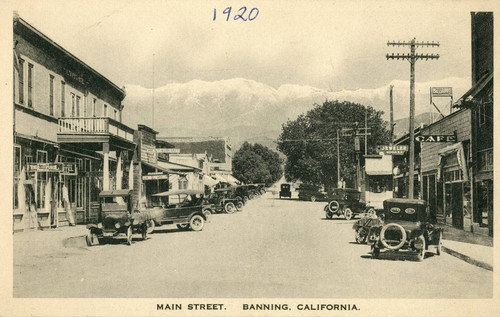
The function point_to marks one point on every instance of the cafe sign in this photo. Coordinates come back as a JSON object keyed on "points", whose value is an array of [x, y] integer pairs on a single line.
{"points": [[393, 149], [436, 138]]}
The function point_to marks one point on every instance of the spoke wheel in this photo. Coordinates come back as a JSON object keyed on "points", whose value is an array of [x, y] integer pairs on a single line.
{"points": [[151, 226], [347, 214], [239, 205], [129, 235], [183, 226], [360, 235], [328, 215], [197, 222], [229, 208], [92, 239], [440, 244], [207, 212]]}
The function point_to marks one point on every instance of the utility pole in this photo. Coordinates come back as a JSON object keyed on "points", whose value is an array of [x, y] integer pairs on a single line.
{"points": [[338, 158], [412, 58], [153, 99], [392, 114]]}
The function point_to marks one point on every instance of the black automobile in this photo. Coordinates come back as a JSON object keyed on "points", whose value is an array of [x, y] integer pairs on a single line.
{"points": [[366, 227], [184, 208], [346, 202], [311, 192], [225, 200], [408, 225], [116, 220], [285, 191]]}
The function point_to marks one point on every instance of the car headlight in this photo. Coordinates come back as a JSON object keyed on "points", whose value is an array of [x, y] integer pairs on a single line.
{"points": [[117, 225], [99, 225]]}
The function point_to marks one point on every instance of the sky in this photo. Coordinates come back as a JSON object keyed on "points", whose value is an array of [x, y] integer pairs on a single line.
{"points": [[331, 45]]}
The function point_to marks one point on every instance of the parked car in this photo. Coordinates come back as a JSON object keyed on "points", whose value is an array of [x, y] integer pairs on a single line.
{"points": [[408, 225], [366, 227], [116, 220], [183, 208], [347, 202], [285, 191], [311, 192], [225, 200]]}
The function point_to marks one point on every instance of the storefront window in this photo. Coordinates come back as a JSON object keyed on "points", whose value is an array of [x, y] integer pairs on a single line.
{"points": [[380, 183], [183, 183]]}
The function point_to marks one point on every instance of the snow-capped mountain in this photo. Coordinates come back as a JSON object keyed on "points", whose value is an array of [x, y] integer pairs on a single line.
{"points": [[244, 109]]}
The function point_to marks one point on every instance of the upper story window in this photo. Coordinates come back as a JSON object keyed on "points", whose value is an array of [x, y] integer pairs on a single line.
{"points": [[41, 156], [63, 98], [78, 106], [105, 111], [30, 85], [21, 81], [482, 113], [114, 114], [51, 95], [94, 102], [73, 101]]}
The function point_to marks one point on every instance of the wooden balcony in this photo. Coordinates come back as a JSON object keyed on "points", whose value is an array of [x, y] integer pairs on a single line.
{"points": [[94, 131]]}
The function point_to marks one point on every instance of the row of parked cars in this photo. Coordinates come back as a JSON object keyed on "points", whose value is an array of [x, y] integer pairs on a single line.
{"points": [[403, 224], [187, 209]]}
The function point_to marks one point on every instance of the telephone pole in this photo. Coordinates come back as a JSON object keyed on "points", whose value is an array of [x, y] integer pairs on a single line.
{"points": [[392, 115], [412, 58]]}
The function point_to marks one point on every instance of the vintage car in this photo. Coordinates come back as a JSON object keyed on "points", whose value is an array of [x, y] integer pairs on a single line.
{"points": [[285, 191], [183, 208], [366, 227], [116, 219], [408, 225], [225, 200], [311, 192], [347, 202]]}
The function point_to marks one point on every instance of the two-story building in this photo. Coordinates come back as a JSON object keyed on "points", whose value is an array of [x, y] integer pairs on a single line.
{"points": [[69, 141]]}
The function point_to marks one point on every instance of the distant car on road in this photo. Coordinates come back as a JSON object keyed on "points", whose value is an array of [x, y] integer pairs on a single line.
{"points": [[347, 202], [285, 191], [311, 192], [408, 225]]}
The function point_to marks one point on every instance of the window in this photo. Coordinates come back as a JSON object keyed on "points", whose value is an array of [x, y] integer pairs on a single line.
{"points": [[17, 159], [51, 95], [94, 102], [41, 156], [105, 112], [482, 113], [21, 81], [63, 98], [183, 182], [73, 105], [30, 85], [78, 106], [486, 160], [114, 114], [28, 159]]}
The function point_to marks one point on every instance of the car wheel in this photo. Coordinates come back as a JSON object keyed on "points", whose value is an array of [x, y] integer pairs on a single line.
{"points": [[129, 235], [375, 252], [229, 208], [197, 222], [360, 235], [151, 226], [251, 196], [347, 214], [421, 253], [333, 206], [328, 215], [239, 205], [245, 199], [372, 212], [92, 239], [440, 244], [183, 226], [207, 212], [145, 231], [313, 198]]}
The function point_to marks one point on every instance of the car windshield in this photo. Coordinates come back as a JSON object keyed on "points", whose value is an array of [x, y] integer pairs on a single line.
{"points": [[353, 195]]}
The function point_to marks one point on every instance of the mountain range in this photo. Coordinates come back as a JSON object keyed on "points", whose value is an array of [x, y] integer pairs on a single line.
{"points": [[246, 110]]}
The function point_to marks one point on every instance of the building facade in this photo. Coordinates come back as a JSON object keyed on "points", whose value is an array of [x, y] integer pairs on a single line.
{"points": [[69, 142]]}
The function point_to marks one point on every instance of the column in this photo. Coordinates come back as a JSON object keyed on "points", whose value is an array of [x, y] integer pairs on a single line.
{"points": [[105, 169]]}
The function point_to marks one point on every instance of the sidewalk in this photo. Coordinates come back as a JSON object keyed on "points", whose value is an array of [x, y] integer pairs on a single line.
{"points": [[473, 248]]}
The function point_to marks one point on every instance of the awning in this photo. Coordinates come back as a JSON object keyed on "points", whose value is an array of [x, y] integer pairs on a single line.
{"points": [[209, 181], [458, 150], [378, 172], [232, 179], [158, 167], [475, 90], [178, 167], [220, 179]]}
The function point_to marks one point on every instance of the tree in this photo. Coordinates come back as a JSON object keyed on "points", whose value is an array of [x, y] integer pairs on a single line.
{"points": [[309, 142], [257, 164]]}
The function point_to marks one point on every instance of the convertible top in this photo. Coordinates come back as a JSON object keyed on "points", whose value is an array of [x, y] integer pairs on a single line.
{"points": [[181, 192]]}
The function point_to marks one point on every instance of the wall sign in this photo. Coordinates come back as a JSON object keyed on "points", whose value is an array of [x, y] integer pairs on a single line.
{"points": [[436, 138], [393, 149]]}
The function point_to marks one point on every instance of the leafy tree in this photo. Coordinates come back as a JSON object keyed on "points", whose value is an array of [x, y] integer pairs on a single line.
{"points": [[257, 164], [309, 142]]}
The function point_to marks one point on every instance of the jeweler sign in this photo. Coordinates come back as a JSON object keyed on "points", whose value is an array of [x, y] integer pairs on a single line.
{"points": [[436, 138], [393, 149]]}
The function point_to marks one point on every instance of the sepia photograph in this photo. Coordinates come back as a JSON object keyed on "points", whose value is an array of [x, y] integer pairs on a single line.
{"points": [[260, 158]]}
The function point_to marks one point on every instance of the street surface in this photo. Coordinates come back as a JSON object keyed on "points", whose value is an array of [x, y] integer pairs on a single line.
{"points": [[272, 249]]}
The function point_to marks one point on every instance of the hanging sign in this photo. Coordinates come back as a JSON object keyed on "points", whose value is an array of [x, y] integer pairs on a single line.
{"points": [[169, 151], [436, 138], [154, 176], [393, 149], [44, 167], [69, 168], [441, 91]]}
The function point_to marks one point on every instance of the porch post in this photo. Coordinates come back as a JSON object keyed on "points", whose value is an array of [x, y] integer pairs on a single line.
{"points": [[105, 169]]}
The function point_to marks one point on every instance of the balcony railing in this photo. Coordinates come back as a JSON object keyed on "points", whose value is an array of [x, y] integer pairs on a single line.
{"points": [[97, 125]]}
